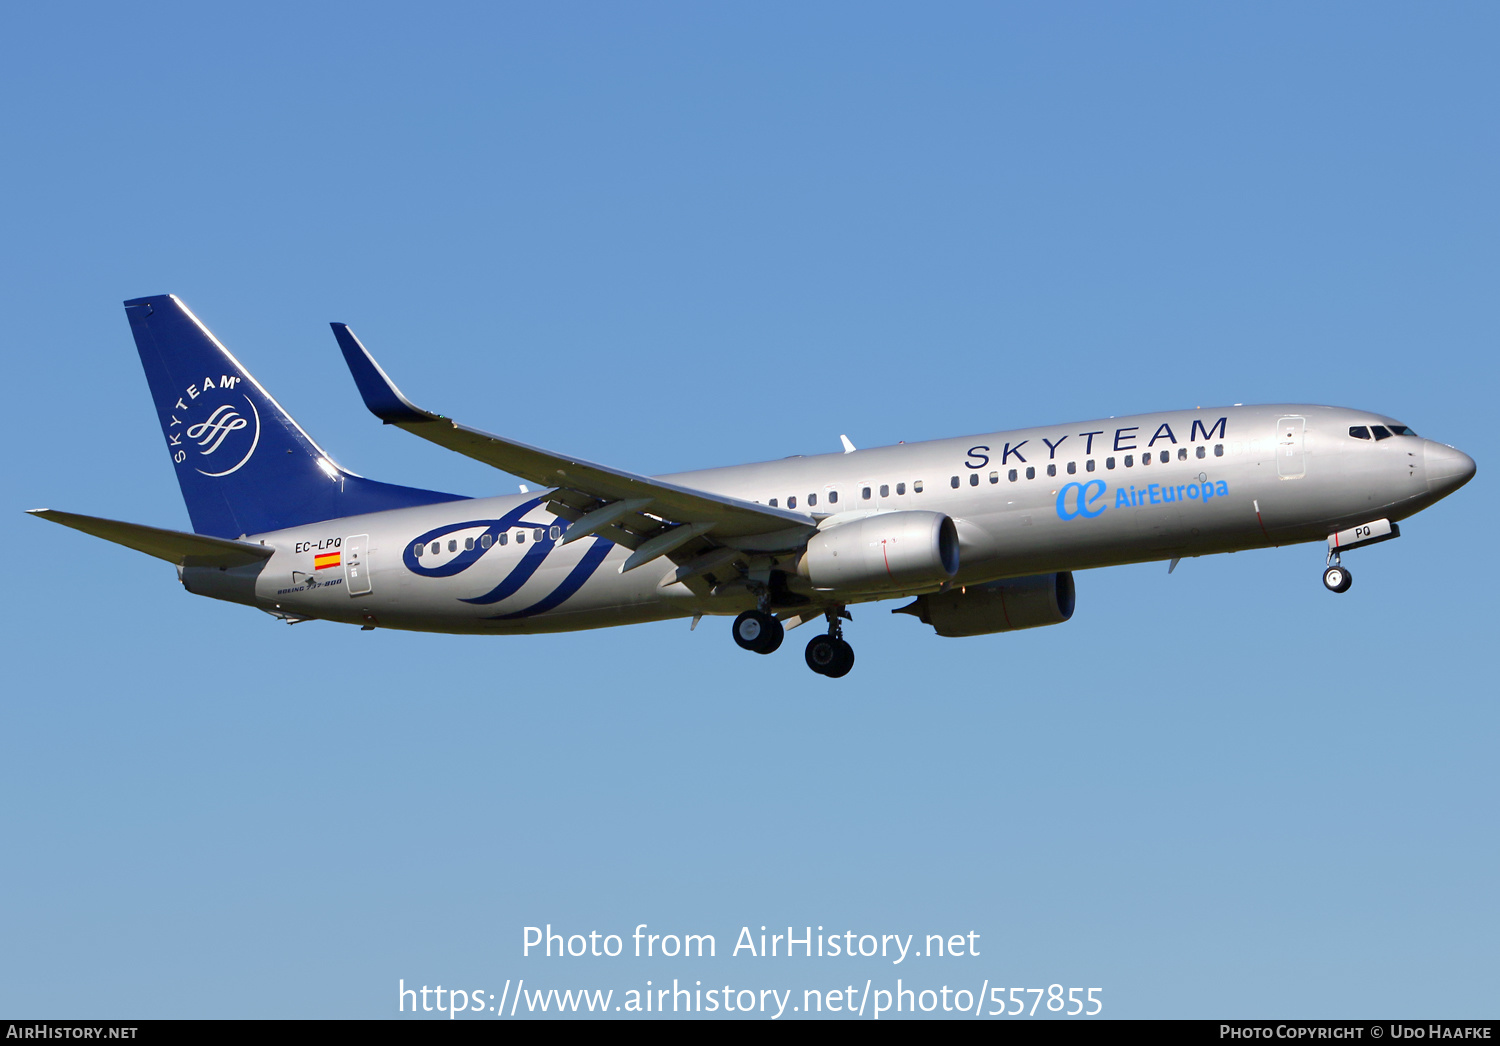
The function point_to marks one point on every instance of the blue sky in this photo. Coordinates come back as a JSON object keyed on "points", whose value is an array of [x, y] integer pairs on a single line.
{"points": [[676, 236]]}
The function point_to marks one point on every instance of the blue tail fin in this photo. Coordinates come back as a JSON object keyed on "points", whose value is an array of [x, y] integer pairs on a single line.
{"points": [[244, 465]]}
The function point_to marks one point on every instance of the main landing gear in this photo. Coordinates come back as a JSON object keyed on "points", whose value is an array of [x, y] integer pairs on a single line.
{"points": [[758, 631], [828, 655], [1336, 578]]}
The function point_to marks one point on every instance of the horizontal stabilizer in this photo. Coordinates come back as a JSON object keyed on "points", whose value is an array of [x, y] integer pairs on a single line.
{"points": [[195, 550]]}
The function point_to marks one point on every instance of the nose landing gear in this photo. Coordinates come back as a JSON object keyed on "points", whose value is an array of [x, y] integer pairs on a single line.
{"points": [[1336, 578], [829, 655]]}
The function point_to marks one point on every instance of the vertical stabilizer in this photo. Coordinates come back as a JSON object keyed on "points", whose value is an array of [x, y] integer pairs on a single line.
{"points": [[244, 465]]}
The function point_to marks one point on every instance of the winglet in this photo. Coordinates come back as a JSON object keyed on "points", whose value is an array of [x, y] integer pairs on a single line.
{"points": [[380, 393]]}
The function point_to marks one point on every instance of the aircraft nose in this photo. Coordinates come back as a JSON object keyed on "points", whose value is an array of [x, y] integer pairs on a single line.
{"points": [[1447, 468]]}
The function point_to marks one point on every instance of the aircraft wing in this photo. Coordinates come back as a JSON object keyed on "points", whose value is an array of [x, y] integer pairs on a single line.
{"points": [[647, 515], [193, 550]]}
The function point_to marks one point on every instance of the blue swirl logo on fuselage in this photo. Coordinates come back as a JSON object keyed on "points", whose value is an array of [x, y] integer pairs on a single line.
{"points": [[531, 561]]}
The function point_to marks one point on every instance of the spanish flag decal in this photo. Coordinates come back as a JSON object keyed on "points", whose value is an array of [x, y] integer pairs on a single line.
{"points": [[326, 559]]}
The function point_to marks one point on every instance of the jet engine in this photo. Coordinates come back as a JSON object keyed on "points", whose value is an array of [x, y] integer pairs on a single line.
{"points": [[889, 552], [997, 606]]}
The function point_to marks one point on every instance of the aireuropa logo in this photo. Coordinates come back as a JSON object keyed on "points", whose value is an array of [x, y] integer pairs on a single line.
{"points": [[1089, 499], [213, 427]]}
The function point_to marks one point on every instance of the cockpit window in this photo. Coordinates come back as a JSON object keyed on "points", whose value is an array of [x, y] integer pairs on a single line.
{"points": [[1402, 430], [1381, 432], [1359, 432]]}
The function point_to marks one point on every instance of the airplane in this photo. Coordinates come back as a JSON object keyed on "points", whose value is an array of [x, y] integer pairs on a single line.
{"points": [[981, 533]]}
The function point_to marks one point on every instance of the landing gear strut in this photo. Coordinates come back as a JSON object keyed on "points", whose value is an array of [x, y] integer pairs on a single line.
{"points": [[1336, 578], [829, 655]]}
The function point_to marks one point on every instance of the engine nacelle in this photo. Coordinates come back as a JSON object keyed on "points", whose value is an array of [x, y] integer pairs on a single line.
{"points": [[887, 552], [997, 606]]}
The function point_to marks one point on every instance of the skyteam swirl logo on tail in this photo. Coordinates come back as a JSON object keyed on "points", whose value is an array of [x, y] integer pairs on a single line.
{"points": [[476, 547], [223, 428], [216, 429]]}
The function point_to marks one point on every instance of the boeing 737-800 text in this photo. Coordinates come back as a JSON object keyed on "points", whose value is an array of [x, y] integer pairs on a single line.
{"points": [[981, 532]]}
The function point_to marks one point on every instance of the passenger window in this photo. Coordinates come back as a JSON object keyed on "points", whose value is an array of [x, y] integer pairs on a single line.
{"points": [[538, 534], [833, 495], [554, 533], [791, 502], [1031, 472], [503, 537], [419, 550], [437, 546], [520, 537], [1359, 432], [1072, 468], [1090, 466], [900, 488], [885, 488], [1051, 470], [1109, 463], [1166, 456], [1181, 454], [973, 479], [916, 487], [1218, 450], [452, 545], [953, 482], [812, 499], [468, 544], [1013, 475], [1381, 432], [864, 493], [486, 541], [1129, 460], [1201, 452], [1146, 458], [994, 477], [775, 502]]}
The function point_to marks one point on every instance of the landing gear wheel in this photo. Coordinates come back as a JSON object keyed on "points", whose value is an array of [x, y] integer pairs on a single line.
{"points": [[1337, 579], [821, 654], [844, 662], [758, 631], [829, 656]]}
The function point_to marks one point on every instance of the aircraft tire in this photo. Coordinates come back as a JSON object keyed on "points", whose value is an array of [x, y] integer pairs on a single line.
{"points": [[829, 656], [758, 632], [821, 654], [771, 640], [1337, 579], [844, 660]]}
